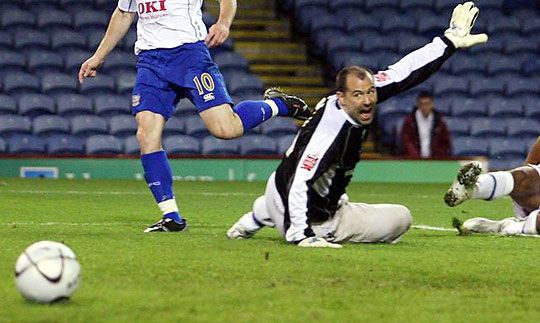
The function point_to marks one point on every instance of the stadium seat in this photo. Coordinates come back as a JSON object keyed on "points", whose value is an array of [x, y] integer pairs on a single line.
{"points": [[400, 23], [88, 125], [327, 23], [20, 82], [522, 44], [119, 62], [507, 149], [257, 145], [44, 62], [14, 124], [378, 5], [125, 82], [358, 20], [530, 26], [458, 127], [185, 108], [495, 45], [522, 128], [444, 6], [346, 5], [53, 20], [131, 37], [231, 61], [444, 104], [279, 127], [208, 19], [63, 40], [445, 85], [103, 145], [215, 146], [410, 43], [50, 125], [195, 127], [58, 83], [496, 164], [69, 105], [393, 108], [502, 23], [503, 64], [6, 40], [531, 105], [487, 128], [353, 58], [307, 15], [284, 143], [469, 108], [182, 145], [504, 108], [110, 105], [174, 126], [26, 144], [7, 105], [34, 104], [11, 61], [93, 38], [17, 19], [522, 86], [122, 126], [335, 46], [433, 25], [74, 6], [408, 5], [3, 146], [470, 147], [467, 63], [244, 84], [387, 58], [531, 66], [379, 43], [65, 144], [30, 40], [99, 85], [91, 20], [131, 146], [73, 60], [491, 85]]}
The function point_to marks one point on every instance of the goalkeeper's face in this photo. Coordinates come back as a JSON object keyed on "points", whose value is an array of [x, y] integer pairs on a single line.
{"points": [[358, 99]]}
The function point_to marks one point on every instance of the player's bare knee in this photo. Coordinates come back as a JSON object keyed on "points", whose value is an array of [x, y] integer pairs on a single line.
{"points": [[526, 181], [224, 131]]}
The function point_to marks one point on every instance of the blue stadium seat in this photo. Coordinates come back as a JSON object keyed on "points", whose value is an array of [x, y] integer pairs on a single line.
{"points": [[244, 84], [320, 40], [14, 124], [444, 6], [58, 83], [300, 5], [379, 43], [410, 43], [110, 105], [284, 143], [496, 164], [504, 108], [444, 85], [491, 85], [469, 108], [495, 45], [307, 15], [90, 20], [131, 146], [487, 128], [521, 85], [215, 146], [88, 125], [125, 82], [65, 144], [195, 127], [74, 6], [434, 25], [34, 104], [208, 19], [457, 126], [26, 144], [93, 38], [6, 40], [3, 146], [257, 145], [181, 145], [119, 62], [530, 26], [63, 40], [69, 105], [358, 20], [99, 85], [502, 24], [11, 61], [354, 58], [231, 61], [521, 44], [103, 145], [507, 149], [387, 58], [7, 105], [30, 40], [53, 20], [531, 105], [503, 64], [185, 109], [444, 104], [122, 126], [20, 82], [174, 126], [522, 128], [131, 37], [398, 24], [531, 66], [337, 45], [73, 60], [377, 5], [16, 18], [47, 125], [408, 5], [393, 108], [467, 63], [464, 146], [346, 5], [279, 127], [327, 23], [44, 62]]}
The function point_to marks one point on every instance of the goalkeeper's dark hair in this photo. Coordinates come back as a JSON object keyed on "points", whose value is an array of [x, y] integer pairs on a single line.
{"points": [[424, 94], [358, 71]]}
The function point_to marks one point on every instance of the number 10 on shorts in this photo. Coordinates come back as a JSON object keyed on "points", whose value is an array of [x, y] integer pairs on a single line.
{"points": [[205, 83]]}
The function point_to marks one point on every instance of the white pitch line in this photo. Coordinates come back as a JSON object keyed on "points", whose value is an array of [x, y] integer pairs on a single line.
{"points": [[427, 227]]}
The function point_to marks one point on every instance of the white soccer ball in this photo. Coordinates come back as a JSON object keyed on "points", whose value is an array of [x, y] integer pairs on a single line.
{"points": [[47, 271]]}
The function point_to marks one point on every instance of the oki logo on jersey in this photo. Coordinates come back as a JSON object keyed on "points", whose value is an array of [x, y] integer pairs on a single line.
{"points": [[310, 162], [151, 6]]}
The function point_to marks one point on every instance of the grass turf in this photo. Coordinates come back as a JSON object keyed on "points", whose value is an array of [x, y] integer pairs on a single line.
{"points": [[199, 276]]}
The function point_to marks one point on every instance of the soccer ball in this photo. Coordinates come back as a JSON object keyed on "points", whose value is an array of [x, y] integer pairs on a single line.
{"points": [[47, 272]]}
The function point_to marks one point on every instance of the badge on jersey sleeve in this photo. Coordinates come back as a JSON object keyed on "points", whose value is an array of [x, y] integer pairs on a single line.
{"points": [[135, 100]]}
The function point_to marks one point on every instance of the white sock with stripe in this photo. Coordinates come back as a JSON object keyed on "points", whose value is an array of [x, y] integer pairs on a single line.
{"points": [[493, 185]]}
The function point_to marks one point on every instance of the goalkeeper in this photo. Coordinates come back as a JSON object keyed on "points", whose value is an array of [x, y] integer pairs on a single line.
{"points": [[305, 197], [522, 184]]}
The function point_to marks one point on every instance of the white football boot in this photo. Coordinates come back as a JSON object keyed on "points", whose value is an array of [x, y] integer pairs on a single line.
{"points": [[238, 231], [508, 226], [465, 183]]}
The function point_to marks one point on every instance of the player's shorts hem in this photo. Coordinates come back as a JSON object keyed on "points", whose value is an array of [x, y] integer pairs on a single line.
{"points": [[214, 104], [166, 116]]}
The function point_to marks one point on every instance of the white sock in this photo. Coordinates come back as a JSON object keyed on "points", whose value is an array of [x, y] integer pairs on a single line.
{"points": [[530, 223], [168, 206], [493, 185], [248, 222]]}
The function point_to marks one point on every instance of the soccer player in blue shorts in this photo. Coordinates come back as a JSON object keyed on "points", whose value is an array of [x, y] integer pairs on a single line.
{"points": [[174, 63]]}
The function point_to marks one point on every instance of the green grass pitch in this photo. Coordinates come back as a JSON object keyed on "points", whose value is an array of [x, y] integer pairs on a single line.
{"points": [[200, 276]]}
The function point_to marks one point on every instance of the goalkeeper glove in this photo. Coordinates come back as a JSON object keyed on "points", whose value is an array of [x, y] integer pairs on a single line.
{"points": [[461, 23], [316, 242]]}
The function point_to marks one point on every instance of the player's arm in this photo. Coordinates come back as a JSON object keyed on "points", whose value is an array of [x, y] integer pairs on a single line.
{"points": [[419, 65], [534, 154], [118, 27], [218, 32]]}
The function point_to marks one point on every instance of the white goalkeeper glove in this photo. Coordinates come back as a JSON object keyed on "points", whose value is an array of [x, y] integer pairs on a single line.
{"points": [[316, 242], [461, 23]]}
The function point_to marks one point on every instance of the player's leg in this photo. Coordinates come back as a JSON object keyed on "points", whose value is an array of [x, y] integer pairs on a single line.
{"points": [[153, 103], [508, 226], [251, 222], [371, 223], [521, 183]]}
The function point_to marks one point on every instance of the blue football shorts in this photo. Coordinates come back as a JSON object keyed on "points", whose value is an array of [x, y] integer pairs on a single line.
{"points": [[164, 76]]}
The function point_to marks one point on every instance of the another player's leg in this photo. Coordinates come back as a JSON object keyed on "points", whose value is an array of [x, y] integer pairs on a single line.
{"points": [[157, 172], [508, 226], [251, 222]]}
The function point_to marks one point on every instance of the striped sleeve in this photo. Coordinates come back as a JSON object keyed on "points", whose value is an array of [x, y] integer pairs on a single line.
{"points": [[127, 5], [413, 69]]}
